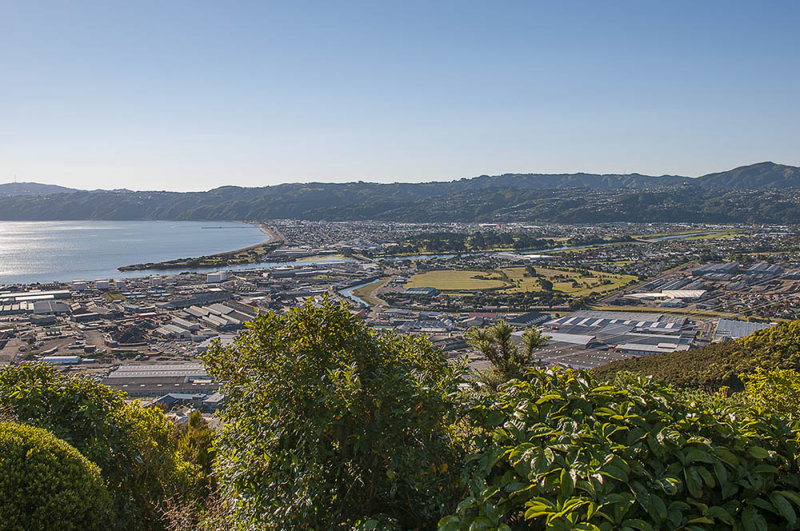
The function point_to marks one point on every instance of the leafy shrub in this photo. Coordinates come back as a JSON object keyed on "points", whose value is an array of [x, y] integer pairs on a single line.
{"points": [[776, 391], [196, 448], [562, 452], [47, 484], [720, 364], [329, 424], [134, 447]]}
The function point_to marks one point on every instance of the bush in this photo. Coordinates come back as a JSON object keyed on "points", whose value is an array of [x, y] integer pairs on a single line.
{"points": [[134, 447], [47, 484], [719, 364], [776, 391], [562, 452], [328, 424]]}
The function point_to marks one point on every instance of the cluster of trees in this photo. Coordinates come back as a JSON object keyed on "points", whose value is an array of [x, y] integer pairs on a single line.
{"points": [[465, 242], [519, 299], [331, 425], [107, 463]]}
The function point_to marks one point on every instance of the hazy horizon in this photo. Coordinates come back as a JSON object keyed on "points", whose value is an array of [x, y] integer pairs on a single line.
{"points": [[221, 184], [192, 95]]}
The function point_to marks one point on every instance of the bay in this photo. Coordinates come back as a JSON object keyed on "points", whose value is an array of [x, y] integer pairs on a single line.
{"points": [[62, 251]]}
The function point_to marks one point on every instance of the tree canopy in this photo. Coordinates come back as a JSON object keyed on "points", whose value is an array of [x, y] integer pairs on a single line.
{"points": [[47, 484], [134, 447], [329, 424]]}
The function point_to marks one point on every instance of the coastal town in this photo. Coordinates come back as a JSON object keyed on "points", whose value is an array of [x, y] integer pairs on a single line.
{"points": [[600, 293]]}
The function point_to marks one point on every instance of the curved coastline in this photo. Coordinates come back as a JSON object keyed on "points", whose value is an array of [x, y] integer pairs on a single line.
{"points": [[246, 255]]}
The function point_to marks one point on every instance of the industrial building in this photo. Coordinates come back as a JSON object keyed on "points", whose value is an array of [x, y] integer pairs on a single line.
{"points": [[728, 329], [421, 292], [717, 268], [528, 319], [626, 332], [161, 379]]}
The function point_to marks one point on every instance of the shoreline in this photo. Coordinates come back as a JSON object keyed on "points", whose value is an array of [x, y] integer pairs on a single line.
{"points": [[244, 256]]}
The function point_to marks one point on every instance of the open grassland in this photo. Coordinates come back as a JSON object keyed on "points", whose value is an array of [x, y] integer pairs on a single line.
{"points": [[458, 280], [663, 234], [367, 293], [517, 280], [520, 280], [718, 235], [693, 234], [321, 257], [581, 284]]}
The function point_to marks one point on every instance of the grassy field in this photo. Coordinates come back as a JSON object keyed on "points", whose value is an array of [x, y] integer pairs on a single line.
{"points": [[458, 280], [719, 235], [321, 257], [515, 280], [578, 284], [693, 234], [365, 293]]}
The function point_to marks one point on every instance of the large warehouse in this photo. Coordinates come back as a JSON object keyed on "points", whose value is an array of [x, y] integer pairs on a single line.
{"points": [[728, 329], [629, 332]]}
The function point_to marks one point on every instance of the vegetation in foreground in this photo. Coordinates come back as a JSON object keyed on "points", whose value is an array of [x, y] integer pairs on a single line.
{"points": [[333, 426], [329, 424], [719, 364], [142, 458]]}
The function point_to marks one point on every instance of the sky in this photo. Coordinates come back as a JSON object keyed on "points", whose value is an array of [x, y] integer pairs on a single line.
{"points": [[194, 94]]}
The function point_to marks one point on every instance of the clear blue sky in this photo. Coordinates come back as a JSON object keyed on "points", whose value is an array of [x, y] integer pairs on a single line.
{"points": [[193, 94]]}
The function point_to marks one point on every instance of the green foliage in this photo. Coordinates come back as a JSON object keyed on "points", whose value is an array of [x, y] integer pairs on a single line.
{"points": [[47, 484], [328, 424], [508, 360], [133, 446], [196, 447], [561, 452], [776, 391], [720, 364]]}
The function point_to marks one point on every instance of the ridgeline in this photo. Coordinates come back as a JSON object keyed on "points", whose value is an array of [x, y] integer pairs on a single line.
{"points": [[760, 193]]}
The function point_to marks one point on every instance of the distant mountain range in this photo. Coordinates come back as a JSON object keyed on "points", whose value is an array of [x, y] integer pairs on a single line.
{"points": [[764, 192], [32, 189]]}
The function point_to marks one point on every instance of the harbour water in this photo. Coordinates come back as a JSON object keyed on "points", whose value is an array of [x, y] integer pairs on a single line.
{"points": [[62, 251]]}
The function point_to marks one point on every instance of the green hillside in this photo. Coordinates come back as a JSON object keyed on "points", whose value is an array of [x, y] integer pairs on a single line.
{"points": [[719, 364], [760, 193]]}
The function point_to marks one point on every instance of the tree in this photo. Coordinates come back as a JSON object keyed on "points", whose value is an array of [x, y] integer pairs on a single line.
{"points": [[328, 423], [196, 447], [134, 447], [47, 484], [508, 360]]}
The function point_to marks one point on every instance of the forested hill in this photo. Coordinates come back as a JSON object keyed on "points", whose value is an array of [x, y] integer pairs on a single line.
{"points": [[761, 193], [29, 189]]}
